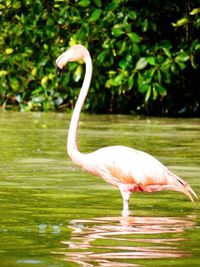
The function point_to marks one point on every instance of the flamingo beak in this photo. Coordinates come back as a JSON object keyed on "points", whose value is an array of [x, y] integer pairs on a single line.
{"points": [[59, 70], [62, 60]]}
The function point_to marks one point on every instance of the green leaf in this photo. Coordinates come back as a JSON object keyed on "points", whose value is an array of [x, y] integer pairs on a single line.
{"points": [[159, 77], [182, 56], [95, 15], [166, 46], [2, 6], [143, 87], [3, 73], [160, 89], [123, 64], [140, 79], [97, 3], [197, 47], [165, 66], [118, 79], [109, 83], [182, 65], [34, 71], [173, 68], [14, 83], [132, 15], [155, 93], [123, 48], [148, 94], [153, 26], [141, 64], [194, 63], [167, 52], [142, 84], [144, 25], [181, 22], [44, 80], [130, 82], [16, 5], [113, 5], [77, 73], [195, 11], [102, 56], [9, 51], [117, 32], [84, 3], [134, 37], [151, 61]]}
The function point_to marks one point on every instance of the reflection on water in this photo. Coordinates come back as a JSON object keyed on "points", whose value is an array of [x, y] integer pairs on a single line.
{"points": [[117, 241], [41, 189]]}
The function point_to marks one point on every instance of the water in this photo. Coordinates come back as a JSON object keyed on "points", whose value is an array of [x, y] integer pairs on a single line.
{"points": [[53, 214]]}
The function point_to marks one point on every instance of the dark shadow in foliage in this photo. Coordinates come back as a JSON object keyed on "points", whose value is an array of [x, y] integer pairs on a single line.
{"points": [[146, 55]]}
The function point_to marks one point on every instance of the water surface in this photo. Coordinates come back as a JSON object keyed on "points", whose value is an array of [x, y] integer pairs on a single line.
{"points": [[54, 214]]}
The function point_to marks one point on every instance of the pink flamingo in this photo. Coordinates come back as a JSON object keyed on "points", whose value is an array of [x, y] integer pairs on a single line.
{"points": [[128, 169]]}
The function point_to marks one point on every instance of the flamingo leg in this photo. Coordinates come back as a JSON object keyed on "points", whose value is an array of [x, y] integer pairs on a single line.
{"points": [[125, 196]]}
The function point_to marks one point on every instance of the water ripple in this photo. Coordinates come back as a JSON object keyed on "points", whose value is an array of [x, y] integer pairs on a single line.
{"points": [[118, 241]]}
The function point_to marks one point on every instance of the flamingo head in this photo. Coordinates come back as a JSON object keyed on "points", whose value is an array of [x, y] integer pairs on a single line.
{"points": [[74, 53]]}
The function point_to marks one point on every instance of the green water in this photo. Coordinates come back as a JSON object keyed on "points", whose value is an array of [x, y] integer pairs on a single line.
{"points": [[54, 214]]}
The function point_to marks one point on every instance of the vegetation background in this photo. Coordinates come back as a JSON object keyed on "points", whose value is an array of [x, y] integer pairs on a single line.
{"points": [[146, 55]]}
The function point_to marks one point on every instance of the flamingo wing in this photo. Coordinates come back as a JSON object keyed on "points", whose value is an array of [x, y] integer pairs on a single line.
{"points": [[125, 165], [136, 170]]}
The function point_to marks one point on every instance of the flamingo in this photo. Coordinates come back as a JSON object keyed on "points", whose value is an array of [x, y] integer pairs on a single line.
{"points": [[129, 169]]}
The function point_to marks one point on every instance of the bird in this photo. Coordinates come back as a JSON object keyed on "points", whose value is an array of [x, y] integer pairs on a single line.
{"points": [[128, 169]]}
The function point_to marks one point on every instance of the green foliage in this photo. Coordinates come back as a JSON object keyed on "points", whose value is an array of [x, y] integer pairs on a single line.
{"points": [[146, 55]]}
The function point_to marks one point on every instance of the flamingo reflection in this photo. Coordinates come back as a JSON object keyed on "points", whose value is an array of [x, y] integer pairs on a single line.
{"points": [[117, 241]]}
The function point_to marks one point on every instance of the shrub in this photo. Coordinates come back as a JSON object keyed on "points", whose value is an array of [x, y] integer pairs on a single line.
{"points": [[145, 54]]}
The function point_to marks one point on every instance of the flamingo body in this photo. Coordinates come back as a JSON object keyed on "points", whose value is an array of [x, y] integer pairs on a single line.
{"points": [[129, 169], [123, 165]]}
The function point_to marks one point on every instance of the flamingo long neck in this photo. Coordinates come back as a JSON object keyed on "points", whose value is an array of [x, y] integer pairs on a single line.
{"points": [[72, 147]]}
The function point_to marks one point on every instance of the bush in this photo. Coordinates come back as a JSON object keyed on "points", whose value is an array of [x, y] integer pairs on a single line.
{"points": [[145, 54]]}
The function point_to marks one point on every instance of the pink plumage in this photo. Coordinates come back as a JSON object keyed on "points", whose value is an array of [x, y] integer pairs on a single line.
{"points": [[129, 169]]}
